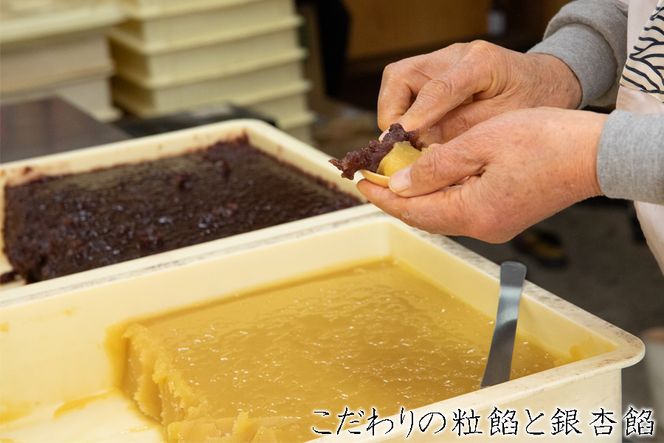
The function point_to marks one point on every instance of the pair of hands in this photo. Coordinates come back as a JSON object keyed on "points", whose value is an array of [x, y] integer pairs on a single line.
{"points": [[499, 161]]}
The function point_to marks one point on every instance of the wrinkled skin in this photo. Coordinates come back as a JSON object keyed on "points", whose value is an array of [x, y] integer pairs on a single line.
{"points": [[494, 167], [446, 92], [499, 177]]}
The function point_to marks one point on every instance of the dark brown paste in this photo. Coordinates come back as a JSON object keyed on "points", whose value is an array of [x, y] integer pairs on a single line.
{"points": [[370, 156], [58, 225]]}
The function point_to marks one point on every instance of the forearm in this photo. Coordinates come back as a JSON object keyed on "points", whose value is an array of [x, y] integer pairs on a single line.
{"points": [[590, 37], [630, 159]]}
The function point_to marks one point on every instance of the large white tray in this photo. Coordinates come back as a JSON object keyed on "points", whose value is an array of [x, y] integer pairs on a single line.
{"points": [[54, 338], [192, 20], [261, 135], [166, 62]]}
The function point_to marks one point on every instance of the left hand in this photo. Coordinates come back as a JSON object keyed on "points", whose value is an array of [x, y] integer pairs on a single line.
{"points": [[444, 93], [499, 177]]}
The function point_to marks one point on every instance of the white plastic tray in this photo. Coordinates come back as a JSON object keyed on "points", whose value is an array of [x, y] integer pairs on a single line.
{"points": [[281, 107], [302, 133], [299, 126], [239, 84], [216, 36], [23, 23], [91, 93], [261, 135], [297, 121], [204, 19], [52, 61], [167, 64], [54, 337], [150, 9]]}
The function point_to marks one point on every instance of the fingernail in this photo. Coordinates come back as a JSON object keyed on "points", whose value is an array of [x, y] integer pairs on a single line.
{"points": [[380, 137], [400, 180]]}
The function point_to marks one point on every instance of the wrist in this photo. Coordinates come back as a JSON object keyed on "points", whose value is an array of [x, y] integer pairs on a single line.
{"points": [[558, 84], [590, 126]]}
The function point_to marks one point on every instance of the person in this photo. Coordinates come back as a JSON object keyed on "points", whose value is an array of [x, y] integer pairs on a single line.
{"points": [[509, 145]]}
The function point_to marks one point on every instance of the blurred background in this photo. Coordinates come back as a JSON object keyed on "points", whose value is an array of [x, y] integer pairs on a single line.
{"points": [[77, 73], [300, 63]]}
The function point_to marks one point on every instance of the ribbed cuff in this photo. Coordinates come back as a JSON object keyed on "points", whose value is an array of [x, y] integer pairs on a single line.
{"points": [[630, 160]]}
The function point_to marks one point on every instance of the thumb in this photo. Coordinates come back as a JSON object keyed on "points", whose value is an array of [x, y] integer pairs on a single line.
{"points": [[439, 167]]}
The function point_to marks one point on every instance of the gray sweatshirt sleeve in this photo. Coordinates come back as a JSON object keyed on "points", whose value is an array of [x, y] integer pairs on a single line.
{"points": [[630, 161], [590, 37]]}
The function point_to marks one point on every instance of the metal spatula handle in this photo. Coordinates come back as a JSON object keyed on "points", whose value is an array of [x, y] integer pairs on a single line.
{"points": [[499, 362]]}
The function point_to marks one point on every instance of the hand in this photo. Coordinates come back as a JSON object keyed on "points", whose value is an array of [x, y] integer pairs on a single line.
{"points": [[499, 177], [444, 93]]}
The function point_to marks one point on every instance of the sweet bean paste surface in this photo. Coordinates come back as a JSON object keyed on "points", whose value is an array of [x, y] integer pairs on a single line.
{"points": [[254, 367], [58, 225], [369, 157]]}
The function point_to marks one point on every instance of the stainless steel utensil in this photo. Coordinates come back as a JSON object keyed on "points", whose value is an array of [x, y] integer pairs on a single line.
{"points": [[499, 362]]}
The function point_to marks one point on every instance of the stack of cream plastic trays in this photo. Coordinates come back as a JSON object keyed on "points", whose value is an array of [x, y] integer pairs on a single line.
{"points": [[58, 47], [173, 56]]}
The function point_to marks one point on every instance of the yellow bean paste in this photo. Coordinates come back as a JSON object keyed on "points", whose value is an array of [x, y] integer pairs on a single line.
{"points": [[255, 367]]}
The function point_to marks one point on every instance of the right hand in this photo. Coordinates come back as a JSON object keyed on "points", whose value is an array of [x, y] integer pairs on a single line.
{"points": [[446, 92], [500, 177]]}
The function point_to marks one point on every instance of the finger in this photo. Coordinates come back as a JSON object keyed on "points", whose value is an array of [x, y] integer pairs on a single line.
{"points": [[439, 166], [403, 80], [444, 93], [436, 133], [400, 83], [441, 212], [461, 119], [380, 196]]}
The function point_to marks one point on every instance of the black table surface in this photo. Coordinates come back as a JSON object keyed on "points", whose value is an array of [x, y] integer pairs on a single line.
{"points": [[52, 125], [48, 126]]}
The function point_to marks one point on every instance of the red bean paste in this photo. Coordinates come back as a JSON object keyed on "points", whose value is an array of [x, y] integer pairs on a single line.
{"points": [[370, 156], [58, 225]]}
